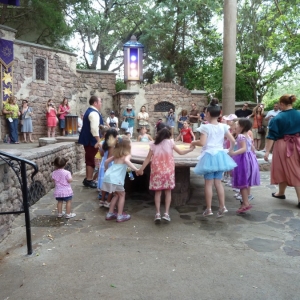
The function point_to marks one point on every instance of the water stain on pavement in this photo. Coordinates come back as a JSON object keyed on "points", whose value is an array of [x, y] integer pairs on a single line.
{"points": [[264, 245]]}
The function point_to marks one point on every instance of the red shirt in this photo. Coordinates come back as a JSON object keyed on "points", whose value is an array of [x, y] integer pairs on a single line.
{"points": [[186, 135]]}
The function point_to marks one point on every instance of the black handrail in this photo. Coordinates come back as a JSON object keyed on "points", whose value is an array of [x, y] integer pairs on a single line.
{"points": [[18, 165]]}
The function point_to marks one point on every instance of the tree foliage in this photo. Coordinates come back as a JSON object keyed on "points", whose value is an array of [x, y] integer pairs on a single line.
{"points": [[38, 21]]}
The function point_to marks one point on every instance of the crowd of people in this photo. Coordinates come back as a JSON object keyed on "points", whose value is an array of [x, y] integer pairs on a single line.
{"points": [[228, 151], [228, 147]]}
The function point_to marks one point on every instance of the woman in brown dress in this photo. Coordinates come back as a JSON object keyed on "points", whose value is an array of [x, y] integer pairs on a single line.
{"points": [[284, 133]]}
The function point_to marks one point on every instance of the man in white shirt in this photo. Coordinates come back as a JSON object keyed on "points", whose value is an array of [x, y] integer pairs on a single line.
{"points": [[112, 121], [271, 114]]}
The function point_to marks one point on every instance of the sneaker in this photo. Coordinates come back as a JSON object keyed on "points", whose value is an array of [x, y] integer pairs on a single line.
{"points": [[106, 204], [228, 183], [71, 215], [207, 213], [157, 218], [89, 183], [237, 195], [123, 218], [166, 217], [62, 214], [101, 203], [221, 212], [111, 216], [236, 190], [100, 196]]}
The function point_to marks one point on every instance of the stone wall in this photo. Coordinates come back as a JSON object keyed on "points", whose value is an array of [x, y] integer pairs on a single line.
{"points": [[150, 95], [10, 190], [62, 80]]}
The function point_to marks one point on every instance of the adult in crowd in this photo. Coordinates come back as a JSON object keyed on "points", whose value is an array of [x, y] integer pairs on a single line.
{"points": [[271, 114], [244, 112], [284, 130], [112, 121], [257, 114], [12, 113], [194, 117], [129, 116], [90, 138], [26, 121], [183, 116], [51, 118], [170, 120], [63, 110], [79, 122], [143, 118]]}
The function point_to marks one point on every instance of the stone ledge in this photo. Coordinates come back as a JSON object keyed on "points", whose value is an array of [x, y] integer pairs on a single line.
{"points": [[47, 141]]}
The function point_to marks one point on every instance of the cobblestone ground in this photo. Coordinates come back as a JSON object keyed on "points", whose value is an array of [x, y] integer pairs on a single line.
{"points": [[249, 256]]}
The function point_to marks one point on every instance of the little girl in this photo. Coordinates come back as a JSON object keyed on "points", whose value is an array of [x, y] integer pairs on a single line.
{"points": [[63, 191], [246, 174], [107, 147], [213, 159], [162, 176], [113, 181], [144, 137], [186, 133]]}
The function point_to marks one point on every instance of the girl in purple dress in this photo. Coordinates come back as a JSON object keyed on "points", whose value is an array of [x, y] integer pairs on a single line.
{"points": [[246, 174]]}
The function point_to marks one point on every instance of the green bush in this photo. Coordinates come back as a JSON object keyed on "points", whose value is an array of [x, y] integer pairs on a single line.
{"points": [[120, 85], [269, 103]]}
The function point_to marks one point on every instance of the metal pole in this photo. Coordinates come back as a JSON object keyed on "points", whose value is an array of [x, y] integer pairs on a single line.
{"points": [[26, 207], [229, 57]]}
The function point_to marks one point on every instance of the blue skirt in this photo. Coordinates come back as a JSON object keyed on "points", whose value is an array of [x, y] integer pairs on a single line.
{"points": [[220, 162]]}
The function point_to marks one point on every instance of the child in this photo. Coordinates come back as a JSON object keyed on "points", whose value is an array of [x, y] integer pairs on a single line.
{"points": [[162, 176], [98, 156], [113, 181], [63, 191], [107, 147], [213, 159], [181, 118], [246, 174], [144, 137], [186, 133]]}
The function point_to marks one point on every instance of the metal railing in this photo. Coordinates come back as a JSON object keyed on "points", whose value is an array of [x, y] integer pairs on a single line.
{"points": [[18, 165]]}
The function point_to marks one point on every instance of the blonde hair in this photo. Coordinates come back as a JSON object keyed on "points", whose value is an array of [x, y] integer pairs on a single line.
{"points": [[11, 99], [122, 148]]}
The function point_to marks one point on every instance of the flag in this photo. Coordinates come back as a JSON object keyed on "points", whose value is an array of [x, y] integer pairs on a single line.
{"points": [[11, 2]]}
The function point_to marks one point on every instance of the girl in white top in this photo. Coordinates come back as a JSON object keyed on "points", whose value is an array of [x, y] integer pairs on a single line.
{"points": [[214, 160], [114, 178]]}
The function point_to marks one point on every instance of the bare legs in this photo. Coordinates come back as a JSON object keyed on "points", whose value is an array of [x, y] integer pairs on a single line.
{"points": [[120, 198], [157, 200], [208, 192], [282, 187], [257, 144], [51, 131], [29, 135], [60, 207]]}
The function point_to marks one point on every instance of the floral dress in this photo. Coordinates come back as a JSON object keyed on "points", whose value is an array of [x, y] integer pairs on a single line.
{"points": [[162, 176]]}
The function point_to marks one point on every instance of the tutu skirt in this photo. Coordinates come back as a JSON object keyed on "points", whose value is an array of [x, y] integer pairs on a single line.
{"points": [[219, 162], [246, 174]]}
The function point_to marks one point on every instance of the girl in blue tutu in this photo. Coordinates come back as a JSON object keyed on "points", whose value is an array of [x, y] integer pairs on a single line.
{"points": [[214, 160], [246, 174]]}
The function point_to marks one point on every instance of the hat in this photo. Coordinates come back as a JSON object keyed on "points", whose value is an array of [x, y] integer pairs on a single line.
{"points": [[230, 117], [112, 112], [129, 106]]}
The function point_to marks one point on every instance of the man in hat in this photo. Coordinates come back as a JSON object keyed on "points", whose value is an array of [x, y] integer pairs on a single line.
{"points": [[129, 116], [112, 121]]}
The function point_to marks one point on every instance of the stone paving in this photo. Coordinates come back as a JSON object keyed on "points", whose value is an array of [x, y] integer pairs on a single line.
{"points": [[251, 256]]}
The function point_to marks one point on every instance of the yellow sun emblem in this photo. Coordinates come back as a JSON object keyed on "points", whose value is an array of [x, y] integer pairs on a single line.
{"points": [[7, 78], [7, 91]]}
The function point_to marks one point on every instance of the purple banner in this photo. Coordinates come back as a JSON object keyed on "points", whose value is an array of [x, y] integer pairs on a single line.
{"points": [[11, 2], [6, 52], [7, 82]]}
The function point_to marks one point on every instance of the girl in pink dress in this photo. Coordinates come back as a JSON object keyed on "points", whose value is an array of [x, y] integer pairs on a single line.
{"points": [[51, 118], [162, 175]]}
